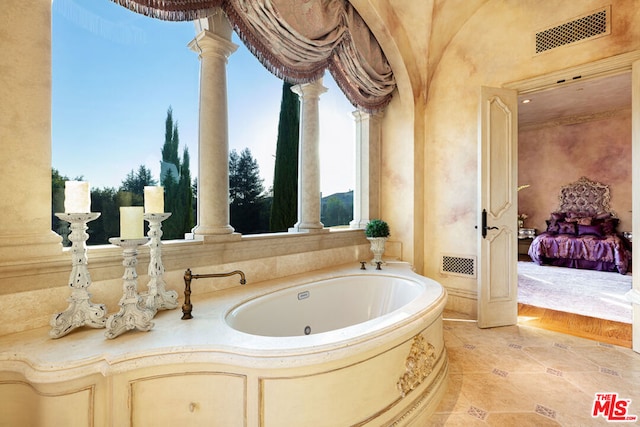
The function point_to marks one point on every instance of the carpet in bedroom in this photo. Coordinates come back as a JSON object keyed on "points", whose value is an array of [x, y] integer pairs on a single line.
{"points": [[590, 293]]}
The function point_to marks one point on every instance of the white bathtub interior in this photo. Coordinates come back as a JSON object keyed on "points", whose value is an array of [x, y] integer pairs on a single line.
{"points": [[324, 306]]}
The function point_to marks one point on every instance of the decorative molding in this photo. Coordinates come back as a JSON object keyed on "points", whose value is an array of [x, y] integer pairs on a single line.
{"points": [[574, 120], [426, 397], [604, 67], [419, 364]]}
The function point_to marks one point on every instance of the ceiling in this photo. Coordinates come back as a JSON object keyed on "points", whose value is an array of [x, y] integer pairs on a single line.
{"points": [[576, 98]]}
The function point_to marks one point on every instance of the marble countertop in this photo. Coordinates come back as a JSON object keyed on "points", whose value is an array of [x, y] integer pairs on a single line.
{"points": [[205, 338]]}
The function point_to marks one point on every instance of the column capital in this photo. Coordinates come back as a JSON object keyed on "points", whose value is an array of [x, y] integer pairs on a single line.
{"points": [[361, 115], [309, 90], [207, 43]]}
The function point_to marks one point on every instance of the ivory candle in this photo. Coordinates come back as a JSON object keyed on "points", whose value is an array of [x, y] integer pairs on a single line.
{"points": [[153, 199], [131, 223], [77, 198]]}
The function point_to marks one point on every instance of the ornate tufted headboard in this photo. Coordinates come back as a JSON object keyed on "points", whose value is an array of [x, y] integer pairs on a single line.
{"points": [[585, 197]]}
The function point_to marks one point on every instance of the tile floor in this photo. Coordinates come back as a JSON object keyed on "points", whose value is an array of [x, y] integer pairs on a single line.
{"points": [[526, 376]]}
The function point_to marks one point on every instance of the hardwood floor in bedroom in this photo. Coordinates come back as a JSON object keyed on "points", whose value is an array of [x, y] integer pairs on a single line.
{"points": [[606, 331]]}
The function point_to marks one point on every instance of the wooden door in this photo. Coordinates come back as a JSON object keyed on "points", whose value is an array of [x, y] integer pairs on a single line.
{"points": [[497, 231]]}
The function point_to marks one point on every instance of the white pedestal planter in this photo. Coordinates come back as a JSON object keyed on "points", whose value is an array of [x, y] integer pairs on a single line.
{"points": [[377, 247]]}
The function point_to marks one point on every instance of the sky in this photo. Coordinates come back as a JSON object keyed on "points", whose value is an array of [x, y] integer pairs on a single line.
{"points": [[115, 73]]}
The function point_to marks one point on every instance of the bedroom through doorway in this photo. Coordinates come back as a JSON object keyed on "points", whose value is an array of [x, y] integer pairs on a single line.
{"points": [[560, 129]]}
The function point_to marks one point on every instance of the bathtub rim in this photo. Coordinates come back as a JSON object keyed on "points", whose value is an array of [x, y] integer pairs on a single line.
{"points": [[424, 287], [164, 345]]}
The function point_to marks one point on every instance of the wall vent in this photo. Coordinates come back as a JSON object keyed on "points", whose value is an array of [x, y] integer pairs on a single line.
{"points": [[458, 265], [594, 24]]}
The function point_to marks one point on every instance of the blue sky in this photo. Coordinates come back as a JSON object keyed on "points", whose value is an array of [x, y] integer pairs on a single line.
{"points": [[115, 74]]}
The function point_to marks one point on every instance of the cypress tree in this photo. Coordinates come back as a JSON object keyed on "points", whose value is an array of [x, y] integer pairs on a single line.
{"points": [[186, 192], [285, 180], [176, 192]]}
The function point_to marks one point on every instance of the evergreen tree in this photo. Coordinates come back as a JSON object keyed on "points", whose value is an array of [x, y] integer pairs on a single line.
{"points": [[285, 181], [186, 193], [107, 201], [245, 192], [175, 177], [136, 181], [171, 140]]}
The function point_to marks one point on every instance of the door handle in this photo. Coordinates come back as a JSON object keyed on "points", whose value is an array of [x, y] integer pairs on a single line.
{"points": [[484, 224]]}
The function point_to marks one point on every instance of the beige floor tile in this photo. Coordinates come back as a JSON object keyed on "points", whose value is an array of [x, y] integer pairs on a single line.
{"points": [[525, 376]]}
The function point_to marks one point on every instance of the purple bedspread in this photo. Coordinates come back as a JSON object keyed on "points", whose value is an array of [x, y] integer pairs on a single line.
{"points": [[609, 253]]}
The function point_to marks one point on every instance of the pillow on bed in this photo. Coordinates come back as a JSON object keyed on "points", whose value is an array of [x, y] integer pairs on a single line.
{"points": [[608, 222], [595, 230], [578, 218], [554, 219], [610, 225], [566, 227]]}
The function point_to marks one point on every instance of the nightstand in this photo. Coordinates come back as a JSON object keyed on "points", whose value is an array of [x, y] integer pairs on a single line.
{"points": [[523, 245]]}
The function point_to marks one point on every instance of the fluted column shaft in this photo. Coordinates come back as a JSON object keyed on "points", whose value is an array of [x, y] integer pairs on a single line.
{"points": [[309, 157], [214, 47]]}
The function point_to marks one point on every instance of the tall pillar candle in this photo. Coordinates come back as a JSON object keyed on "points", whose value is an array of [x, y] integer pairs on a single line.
{"points": [[153, 199], [131, 222], [77, 198]]}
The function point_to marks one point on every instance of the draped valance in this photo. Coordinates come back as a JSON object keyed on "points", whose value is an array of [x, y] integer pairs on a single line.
{"points": [[298, 40]]}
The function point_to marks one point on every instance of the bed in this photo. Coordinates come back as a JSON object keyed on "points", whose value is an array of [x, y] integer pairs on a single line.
{"points": [[583, 233]]}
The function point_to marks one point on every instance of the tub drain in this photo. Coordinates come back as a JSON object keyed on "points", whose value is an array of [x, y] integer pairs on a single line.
{"points": [[307, 330]]}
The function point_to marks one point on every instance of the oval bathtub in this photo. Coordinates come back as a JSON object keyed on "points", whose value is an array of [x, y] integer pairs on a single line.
{"points": [[324, 306], [346, 348], [374, 356]]}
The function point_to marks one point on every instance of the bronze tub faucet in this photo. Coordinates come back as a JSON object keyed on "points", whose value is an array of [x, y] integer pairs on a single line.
{"points": [[188, 276]]}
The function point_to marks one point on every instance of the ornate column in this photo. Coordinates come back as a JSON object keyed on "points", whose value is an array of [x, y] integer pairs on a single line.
{"points": [[309, 158], [214, 46], [366, 196]]}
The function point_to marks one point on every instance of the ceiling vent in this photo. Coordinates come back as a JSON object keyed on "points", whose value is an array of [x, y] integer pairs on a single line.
{"points": [[594, 24]]}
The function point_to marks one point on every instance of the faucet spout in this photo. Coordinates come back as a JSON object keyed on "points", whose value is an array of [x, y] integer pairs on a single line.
{"points": [[188, 276]]}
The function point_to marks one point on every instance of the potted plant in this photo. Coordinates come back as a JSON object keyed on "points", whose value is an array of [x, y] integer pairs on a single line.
{"points": [[377, 232]]}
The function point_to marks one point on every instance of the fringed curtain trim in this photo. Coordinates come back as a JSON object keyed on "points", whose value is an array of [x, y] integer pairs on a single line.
{"points": [[298, 40]]}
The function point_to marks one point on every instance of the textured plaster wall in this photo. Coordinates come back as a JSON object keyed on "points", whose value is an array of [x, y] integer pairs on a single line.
{"points": [[551, 157], [493, 47], [25, 131]]}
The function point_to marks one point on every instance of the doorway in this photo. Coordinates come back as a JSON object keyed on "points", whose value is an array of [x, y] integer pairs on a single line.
{"points": [[590, 72], [561, 136]]}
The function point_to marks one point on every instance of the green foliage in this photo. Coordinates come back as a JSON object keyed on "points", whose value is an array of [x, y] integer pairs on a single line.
{"points": [[186, 194], [171, 140], [178, 194], [337, 209], [136, 181], [377, 228], [107, 201], [245, 193], [285, 180]]}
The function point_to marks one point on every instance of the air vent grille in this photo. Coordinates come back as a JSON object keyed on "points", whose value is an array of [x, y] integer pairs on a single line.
{"points": [[585, 27], [458, 265]]}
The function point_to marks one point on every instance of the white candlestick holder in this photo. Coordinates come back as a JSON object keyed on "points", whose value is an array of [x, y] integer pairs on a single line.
{"points": [[133, 312], [157, 297], [81, 311]]}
